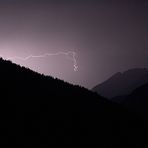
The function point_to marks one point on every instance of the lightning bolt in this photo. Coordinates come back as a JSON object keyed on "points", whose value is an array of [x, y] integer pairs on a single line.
{"points": [[71, 55]]}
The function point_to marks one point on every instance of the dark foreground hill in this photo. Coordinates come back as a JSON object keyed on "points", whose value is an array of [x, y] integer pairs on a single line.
{"points": [[39, 111], [137, 101], [123, 83]]}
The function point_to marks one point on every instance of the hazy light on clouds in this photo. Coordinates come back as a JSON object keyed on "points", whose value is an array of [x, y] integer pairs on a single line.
{"points": [[108, 36]]}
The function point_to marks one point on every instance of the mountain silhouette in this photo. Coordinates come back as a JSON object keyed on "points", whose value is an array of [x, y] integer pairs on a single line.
{"points": [[122, 84], [40, 111], [137, 101]]}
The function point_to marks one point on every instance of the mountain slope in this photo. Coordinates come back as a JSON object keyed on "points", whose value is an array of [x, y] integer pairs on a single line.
{"points": [[138, 101], [122, 83], [37, 111]]}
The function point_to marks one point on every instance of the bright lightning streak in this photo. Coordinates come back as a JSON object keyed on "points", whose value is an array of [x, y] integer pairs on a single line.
{"points": [[71, 55]]}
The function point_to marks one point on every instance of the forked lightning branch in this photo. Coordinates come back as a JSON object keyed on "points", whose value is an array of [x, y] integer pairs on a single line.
{"points": [[70, 54]]}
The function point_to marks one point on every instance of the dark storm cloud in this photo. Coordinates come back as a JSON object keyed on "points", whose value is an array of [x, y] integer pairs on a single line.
{"points": [[107, 35], [93, 2]]}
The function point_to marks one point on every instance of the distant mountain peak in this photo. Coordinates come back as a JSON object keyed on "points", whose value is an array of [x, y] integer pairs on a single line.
{"points": [[122, 83]]}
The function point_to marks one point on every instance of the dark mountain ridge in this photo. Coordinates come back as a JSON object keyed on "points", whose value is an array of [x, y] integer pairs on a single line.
{"points": [[38, 111], [122, 84], [137, 101]]}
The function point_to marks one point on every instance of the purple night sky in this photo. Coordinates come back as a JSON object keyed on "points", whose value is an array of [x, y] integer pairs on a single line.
{"points": [[107, 35]]}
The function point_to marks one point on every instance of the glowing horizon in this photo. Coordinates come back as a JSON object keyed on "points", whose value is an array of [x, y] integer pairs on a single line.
{"points": [[73, 57]]}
